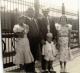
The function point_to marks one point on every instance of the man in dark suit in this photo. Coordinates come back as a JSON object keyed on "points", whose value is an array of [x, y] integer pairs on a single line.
{"points": [[46, 25], [33, 35]]}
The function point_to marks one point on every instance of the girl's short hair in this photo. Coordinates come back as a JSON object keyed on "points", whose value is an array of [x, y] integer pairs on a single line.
{"points": [[49, 34]]}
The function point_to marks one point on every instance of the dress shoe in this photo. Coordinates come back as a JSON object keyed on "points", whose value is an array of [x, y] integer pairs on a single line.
{"points": [[52, 71]]}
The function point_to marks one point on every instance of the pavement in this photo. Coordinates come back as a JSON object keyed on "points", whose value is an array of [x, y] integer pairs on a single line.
{"points": [[73, 66]]}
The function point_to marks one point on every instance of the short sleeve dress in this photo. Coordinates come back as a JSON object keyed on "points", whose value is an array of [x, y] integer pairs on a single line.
{"points": [[63, 32], [23, 53]]}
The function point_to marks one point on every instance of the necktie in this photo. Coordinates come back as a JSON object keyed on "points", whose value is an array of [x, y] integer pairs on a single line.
{"points": [[48, 26], [35, 21]]}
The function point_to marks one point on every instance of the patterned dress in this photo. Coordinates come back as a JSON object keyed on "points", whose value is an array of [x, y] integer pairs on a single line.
{"points": [[63, 40], [23, 53]]}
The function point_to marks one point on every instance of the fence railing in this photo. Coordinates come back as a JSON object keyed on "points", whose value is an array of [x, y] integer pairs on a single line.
{"points": [[74, 39], [8, 49]]}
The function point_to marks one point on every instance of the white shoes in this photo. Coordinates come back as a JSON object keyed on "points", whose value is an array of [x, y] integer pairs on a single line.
{"points": [[63, 70]]}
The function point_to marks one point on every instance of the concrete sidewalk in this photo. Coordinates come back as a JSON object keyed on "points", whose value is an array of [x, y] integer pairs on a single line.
{"points": [[73, 66]]}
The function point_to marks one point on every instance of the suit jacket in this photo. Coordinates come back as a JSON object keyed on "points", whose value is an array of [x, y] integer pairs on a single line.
{"points": [[43, 28], [33, 28], [33, 37]]}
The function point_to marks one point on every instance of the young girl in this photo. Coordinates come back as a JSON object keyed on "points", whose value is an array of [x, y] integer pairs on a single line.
{"points": [[49, 53], [23, 55]]}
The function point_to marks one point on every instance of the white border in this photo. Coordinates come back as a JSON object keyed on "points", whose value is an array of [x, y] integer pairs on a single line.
{"points": [[1, 62]]}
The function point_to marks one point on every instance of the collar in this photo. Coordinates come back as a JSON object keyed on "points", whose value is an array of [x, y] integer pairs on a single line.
{"points": [[48, 42]]}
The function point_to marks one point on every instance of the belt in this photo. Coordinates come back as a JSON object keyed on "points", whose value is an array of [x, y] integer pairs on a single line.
{"points": [[63, 36]]}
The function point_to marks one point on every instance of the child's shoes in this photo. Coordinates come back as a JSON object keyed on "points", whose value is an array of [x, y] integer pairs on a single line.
{"points": [[62, 70], [52, 71]]}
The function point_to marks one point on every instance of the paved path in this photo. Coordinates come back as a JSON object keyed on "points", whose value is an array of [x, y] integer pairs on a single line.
{"points": [[73, 66]]}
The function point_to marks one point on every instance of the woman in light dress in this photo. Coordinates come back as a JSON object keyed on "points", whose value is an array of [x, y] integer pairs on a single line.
{"points": [[63, 32], [23, 54]]}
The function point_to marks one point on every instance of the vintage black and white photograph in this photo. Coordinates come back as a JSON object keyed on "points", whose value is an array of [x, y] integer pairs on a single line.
{"points": [[40, 36]]}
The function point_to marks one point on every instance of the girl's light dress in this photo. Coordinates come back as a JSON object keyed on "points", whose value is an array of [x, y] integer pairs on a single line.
{"points": [[23, 53]]}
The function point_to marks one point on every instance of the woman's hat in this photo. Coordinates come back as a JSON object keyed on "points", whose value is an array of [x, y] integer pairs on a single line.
{"points": [[46, 10], [63, 16], [22, 17]]}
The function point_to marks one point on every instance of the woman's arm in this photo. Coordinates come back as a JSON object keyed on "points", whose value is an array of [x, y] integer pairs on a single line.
{"points": [[26, 30], [70, 29], [43, 51]]}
